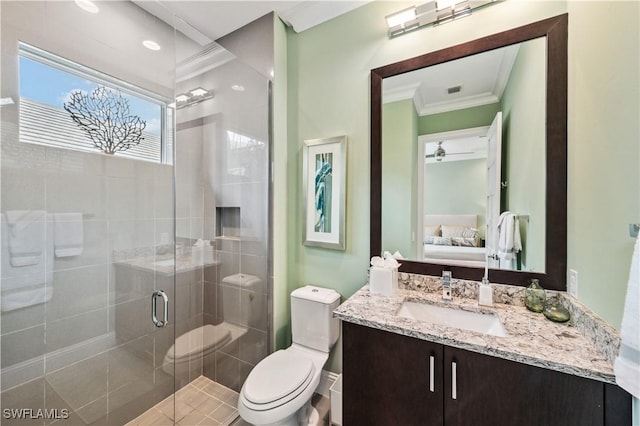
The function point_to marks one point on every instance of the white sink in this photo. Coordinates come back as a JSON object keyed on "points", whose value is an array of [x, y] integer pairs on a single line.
{"points": [[451, 317], [164, 263]]}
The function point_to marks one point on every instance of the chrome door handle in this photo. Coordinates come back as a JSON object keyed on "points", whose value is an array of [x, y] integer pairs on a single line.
{"points": [[154, 318]]}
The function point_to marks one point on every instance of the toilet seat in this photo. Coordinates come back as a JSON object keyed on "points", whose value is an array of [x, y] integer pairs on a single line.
{"points": [[277, 379], [196, 343]]}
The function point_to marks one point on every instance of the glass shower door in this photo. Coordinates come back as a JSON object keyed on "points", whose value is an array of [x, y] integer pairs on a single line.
{"points": [[87, 234]]}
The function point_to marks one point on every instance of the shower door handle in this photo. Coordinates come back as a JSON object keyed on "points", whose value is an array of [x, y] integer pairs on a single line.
{"points": [[154, 306]]}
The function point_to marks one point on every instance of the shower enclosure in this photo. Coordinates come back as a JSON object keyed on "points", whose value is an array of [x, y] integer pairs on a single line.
{"points": [[127, 275]]}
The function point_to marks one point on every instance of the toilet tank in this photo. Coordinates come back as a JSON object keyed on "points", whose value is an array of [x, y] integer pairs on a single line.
{"points": [[312, 321], [241, 299]]}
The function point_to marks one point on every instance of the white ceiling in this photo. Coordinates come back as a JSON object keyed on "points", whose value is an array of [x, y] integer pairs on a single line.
{"points": [[206, 21], [482, 77]]}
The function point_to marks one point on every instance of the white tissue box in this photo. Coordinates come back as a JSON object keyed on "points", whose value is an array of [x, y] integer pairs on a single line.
{"points": [[208, 255], [383, 281], [197, 255]]}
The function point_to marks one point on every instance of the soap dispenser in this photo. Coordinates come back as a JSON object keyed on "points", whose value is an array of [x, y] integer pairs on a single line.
{"points": [[485, 293]]}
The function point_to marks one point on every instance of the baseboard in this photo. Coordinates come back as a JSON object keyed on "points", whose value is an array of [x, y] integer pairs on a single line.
{"points": [[326, 380]]}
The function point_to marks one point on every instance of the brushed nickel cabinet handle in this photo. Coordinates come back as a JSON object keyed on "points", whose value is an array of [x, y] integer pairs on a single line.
{"points": [[454, 379], [432, 386]]}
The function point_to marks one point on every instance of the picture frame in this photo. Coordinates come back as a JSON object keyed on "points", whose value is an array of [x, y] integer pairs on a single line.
{"points": [[324, 175]]}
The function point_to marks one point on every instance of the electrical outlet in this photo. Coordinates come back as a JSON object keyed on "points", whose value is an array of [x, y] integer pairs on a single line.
{"points": [[572, 287]]}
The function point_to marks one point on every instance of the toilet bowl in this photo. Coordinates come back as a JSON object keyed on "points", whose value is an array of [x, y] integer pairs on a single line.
{"points": [[279, 389]]}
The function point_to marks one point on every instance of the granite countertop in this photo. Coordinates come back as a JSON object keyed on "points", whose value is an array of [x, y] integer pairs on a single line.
{"points": [[532, 339], [165, 265]]}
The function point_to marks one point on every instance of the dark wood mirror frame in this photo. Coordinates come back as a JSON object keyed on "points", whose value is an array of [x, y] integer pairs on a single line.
{"points": [[556, 32]]}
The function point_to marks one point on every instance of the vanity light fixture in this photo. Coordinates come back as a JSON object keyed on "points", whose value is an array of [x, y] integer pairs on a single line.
{"points": [[193, 97], [87, 6], [182, 98], [198, 92], [433, 12]]}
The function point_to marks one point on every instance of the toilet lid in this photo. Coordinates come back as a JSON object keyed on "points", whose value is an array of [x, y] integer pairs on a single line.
{"points": [[278, 375]]}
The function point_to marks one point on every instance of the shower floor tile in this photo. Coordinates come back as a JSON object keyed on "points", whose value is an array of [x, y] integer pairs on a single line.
{"points": [[201, 402]]}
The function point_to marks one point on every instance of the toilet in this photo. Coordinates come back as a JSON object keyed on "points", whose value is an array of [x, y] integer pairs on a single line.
{"points": [[207, 339], [278, 390]]}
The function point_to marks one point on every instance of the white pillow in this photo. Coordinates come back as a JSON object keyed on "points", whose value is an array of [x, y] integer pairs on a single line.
{"points": [[441, 241], [431, 231], [465, 241], [469, 233], [452, 231]]}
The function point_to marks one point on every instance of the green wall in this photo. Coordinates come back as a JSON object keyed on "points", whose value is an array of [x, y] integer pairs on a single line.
{"points": [[523, 123], [328, 94], [399, 167], [457, 187], [604, 150], [466, 118]]}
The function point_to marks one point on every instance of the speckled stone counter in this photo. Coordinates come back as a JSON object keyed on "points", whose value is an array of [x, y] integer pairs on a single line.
{"points": [[165, 266], [585, 346]]}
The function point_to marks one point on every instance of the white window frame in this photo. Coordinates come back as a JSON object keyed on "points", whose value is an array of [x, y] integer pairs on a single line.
{"points": [[47, 58]]}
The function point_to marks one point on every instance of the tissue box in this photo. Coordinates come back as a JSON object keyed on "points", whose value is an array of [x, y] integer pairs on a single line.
{"points": [[383, 281], [197, 255]]}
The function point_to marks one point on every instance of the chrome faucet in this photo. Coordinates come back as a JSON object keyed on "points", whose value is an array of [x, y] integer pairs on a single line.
{"points": [[446, 285]]}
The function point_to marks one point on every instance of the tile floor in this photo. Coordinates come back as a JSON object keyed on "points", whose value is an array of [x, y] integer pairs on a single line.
{"points": [[201, 402], [320, 403], [205, 402]]}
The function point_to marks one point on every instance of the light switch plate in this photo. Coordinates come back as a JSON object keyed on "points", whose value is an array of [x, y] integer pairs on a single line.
{"points": [[572, 287]]}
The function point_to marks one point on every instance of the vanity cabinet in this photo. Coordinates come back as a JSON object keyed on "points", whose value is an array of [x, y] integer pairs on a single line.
{"points": [[386, 379], [390, 379]]}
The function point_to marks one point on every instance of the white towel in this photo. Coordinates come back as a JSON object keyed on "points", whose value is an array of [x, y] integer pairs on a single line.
{"points": [[12, 300], [509, 242], [26, 236], [627, 364], [68, 233], [25, 285]]}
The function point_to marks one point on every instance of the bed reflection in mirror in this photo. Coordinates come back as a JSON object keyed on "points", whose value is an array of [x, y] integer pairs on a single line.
{"points": [[463, 160]]}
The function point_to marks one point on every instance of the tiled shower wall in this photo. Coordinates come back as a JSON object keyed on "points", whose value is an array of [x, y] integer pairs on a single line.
{"points": [[222, 157]]}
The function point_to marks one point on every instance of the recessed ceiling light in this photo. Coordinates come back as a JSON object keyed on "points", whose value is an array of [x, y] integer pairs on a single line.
{"points": [[151, 45], [238, 88], [87, 6]]}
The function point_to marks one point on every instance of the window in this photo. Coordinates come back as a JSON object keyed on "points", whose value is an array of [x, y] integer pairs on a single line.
{"points": [[67, 105]]}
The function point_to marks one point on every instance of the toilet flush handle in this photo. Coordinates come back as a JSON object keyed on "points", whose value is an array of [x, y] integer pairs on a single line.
{"points": [[165, 314]]}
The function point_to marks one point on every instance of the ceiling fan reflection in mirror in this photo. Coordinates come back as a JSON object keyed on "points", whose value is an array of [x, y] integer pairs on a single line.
{"points": [[440, 153]]}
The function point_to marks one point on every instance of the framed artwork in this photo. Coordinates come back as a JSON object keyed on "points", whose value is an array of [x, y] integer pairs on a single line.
{"points": [[324, 174]]}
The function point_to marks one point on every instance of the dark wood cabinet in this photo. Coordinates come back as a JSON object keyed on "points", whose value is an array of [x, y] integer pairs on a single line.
{"points": [[496, 391], [387, 379], [390, 379]]}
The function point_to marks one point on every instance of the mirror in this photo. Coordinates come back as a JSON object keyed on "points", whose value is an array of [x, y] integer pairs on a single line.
{"points": [[438, 170], [478, 157]]}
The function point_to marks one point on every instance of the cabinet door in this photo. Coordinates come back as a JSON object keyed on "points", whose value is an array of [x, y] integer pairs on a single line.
{"points": [[387, 379], [485, 390]]}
